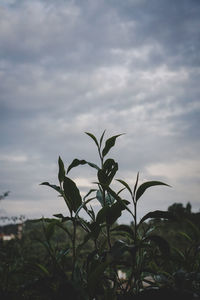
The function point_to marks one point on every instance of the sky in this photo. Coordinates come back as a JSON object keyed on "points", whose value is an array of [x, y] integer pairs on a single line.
{"points": [[69, 67]]}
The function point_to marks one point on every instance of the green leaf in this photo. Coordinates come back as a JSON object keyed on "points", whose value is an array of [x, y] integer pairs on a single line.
{"points": [[142, 188], [91, 213], [95, 229], [106, 174], [185, 235], [109, 144], [61, 173], [109, 200], [136, 183], [114, 213], [158, 214], [110, 214], [93, 137], [42, 268], [77, 162], [161, 243], [99, 197], [102, 214], [83, 205], [90, 191], [126, 185], [64, 219], [59, 216], [72, 194], [120, 191], [55, 187], [124, 203], [101, 139]]}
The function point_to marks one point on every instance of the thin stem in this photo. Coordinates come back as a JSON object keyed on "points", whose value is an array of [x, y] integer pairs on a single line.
{"points": [[104, 202], [135, 221], [73, 247], [107, 225]]}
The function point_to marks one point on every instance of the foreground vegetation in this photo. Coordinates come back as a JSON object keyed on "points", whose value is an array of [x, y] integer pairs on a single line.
{"points": [[68, 257]]}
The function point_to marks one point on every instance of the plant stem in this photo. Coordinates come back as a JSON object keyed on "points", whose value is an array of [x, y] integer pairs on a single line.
{"points": [[104, 203], [73, 248], [107, 225]]}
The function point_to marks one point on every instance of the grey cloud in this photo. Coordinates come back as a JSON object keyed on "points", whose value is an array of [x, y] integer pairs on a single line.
{"points": [[72, 66]]}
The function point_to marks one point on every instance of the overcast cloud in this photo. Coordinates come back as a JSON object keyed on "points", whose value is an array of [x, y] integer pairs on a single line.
{"points": [[67, 67]]}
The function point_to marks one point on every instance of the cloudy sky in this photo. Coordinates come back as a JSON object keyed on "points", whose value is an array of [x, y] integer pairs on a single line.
{"points": [[67, 67]]}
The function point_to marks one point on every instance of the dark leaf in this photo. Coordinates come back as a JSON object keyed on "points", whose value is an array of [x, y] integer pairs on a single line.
{"points": [[59, 216], [158, 214], [142, 188], [99, 197], [124, 203], [185, 235], [95, 229], [114, 213], [91, 213], [83, 205], [109, 144], [90, 191], [72, 194], [102, 214], [136, 183], [120, 191], [101, 139], [61, 172], [110, 214], [161, 243], [55, 187], [64, 219], [43, 269], [126, 185], [106, 174], [93, 137], [108, 198], [77, 162]]}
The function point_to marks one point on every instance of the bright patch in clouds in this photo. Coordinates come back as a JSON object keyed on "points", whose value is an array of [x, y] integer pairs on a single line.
{"points": [[13, 158], [178, 170]]}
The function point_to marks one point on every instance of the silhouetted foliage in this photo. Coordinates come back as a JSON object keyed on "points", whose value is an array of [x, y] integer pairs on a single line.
{"points": [[68, 257]]}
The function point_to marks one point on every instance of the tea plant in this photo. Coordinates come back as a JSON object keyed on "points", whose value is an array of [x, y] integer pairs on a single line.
{"points": [[138, 251]]}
